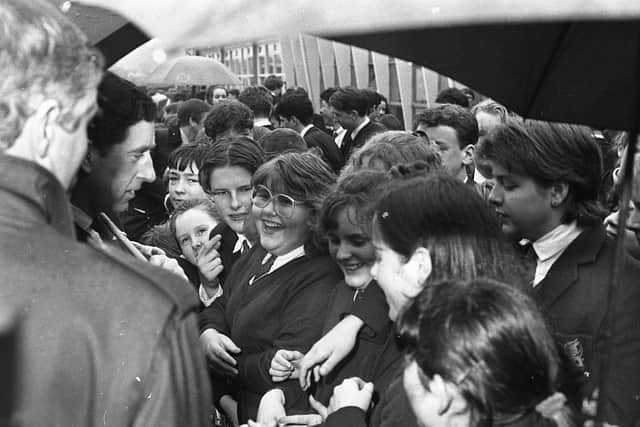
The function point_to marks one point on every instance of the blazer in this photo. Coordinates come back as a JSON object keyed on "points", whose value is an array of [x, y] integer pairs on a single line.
{"points": [[317, 138], [281, 310], [574, 293], [350, 145]]}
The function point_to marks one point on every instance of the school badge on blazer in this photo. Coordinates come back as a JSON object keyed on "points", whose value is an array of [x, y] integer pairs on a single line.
{"points": [[575, 352]]}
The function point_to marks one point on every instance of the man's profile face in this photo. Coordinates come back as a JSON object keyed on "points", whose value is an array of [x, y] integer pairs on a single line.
{"points": [[446, 140], [346, 119], [116, 176]]}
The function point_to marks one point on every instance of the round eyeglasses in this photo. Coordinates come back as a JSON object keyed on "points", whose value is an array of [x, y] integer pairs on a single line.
{"points": [[283, 204]]}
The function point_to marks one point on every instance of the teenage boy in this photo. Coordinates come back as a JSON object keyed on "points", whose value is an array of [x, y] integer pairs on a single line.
{"points": [[546, 180]]}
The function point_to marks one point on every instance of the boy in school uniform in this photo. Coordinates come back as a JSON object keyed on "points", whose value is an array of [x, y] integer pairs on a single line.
{"points": [[546, 178]]}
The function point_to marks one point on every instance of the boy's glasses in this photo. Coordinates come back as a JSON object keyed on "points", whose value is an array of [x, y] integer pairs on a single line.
{"points": [[283, 204]]}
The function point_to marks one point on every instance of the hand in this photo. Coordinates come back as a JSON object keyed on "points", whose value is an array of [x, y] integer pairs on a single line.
{"points": [[271, 408], [327, 352], [284, 365], [218, 348], [230, 407], [352, 392], [209, 262], [307, 419], [159, 258]]}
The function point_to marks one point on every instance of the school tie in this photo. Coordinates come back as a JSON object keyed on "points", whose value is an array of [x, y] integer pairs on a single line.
{"points": [[263, 269], [245, 247], [530, 258]]}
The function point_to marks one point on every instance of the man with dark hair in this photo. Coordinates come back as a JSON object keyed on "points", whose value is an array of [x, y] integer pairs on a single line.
{"points": [[282, 141], [260, 102], [455, 132], [118, 160], [349, 108], [546, 179], [325, 109], [228, 118], [190, 116], [295, 111], [104, 339], [454, 96], [274, 84]]}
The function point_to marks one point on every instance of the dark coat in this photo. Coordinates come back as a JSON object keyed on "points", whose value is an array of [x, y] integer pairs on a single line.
{"points": [[105, 339], [350, 145], [317, 138], [574, 293], [282, 310]]}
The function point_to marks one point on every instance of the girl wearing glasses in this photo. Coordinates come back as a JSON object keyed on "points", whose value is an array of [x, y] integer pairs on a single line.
{"points": [[278, 293]]}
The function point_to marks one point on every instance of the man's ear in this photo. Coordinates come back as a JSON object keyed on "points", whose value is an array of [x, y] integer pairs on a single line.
{"points": [[448, 397], [421, 267], [467, 155], [46, 122], [89, 158], [559, 193]]}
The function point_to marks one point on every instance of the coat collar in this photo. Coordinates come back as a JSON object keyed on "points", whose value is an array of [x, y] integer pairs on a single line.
{"points": [[563, 274], [35, 193]]}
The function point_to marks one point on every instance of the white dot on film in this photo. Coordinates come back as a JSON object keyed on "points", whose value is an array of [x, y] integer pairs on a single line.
{"points": [[65, 6], [159, 56]]}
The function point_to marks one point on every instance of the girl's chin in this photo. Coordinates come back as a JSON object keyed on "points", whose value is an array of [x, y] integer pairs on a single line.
{"points": [[357, 281]]}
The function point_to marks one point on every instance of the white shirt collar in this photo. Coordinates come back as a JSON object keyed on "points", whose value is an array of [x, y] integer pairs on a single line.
{"points": [[284, 259], [185, 138], [549, 247], [238, 246], [357, 130], [306, 129], [262, 121], [557, 240]]}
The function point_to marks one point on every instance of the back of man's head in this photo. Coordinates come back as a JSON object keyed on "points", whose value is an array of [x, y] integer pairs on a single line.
{"points": [[42, 56], [282, 141], [258, 100], [453, 95], [453, 116], [295, 104], [350, 99], [273, 83], [122, 105], [192, 109], [228, 116]]}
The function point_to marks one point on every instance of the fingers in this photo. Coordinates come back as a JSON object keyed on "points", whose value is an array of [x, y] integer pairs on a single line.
{"points": [[229, 345], [311, 359], [332, 360], [318, 407], [301, 420], [168, 264]]}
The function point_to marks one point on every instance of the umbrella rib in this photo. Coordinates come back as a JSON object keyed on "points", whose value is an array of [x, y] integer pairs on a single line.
{"points": [[566, 27]]}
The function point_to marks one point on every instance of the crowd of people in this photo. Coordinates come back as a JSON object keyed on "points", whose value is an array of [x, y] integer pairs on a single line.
{"points": [[239, 258]]}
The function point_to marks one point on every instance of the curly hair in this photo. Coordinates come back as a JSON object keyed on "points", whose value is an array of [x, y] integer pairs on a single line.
{"points": [[228, 116], [42, 56], [305, 177]]}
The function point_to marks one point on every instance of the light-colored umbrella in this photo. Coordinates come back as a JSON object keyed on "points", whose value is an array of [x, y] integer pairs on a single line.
{"points": [[192, 70]]}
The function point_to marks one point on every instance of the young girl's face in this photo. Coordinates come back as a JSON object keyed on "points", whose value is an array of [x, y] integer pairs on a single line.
{"points": [[192, 231], [350, 245]]}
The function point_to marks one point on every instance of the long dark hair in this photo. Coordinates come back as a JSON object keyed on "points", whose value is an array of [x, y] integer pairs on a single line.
{"points": [[489, 339]]}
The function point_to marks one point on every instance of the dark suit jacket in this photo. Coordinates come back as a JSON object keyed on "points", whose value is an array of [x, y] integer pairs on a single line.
{"points": [[317, 138], [350, 145], [574, 292]]}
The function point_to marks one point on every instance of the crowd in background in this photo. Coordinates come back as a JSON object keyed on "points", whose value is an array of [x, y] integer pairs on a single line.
{"points": [[302, 267]]}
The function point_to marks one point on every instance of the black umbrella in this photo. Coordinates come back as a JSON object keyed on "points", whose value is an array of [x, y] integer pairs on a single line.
{"points": [[111, 33], [567, 71]]}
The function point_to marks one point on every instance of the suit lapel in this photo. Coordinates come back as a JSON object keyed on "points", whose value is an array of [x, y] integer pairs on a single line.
{"points": [[563, 274]]}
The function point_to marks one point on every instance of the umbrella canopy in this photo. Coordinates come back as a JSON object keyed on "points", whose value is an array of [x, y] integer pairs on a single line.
{"points": [[192, 70], [114, 35]]}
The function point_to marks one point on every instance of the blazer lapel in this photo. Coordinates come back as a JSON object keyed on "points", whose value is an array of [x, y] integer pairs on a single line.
{"points": [[563, 274]]}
